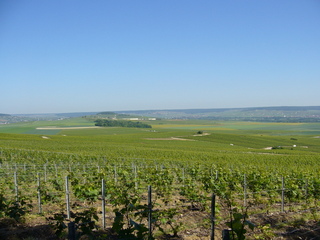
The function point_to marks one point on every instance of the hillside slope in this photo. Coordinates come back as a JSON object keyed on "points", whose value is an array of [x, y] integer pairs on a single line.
{"points": [[272, 114]]}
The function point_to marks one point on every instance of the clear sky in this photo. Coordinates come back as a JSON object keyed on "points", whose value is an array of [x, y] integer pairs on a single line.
{"points": [[109, 55]]}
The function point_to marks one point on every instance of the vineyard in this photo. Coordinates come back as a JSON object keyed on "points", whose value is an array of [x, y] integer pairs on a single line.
{"points": [[178, 180]]}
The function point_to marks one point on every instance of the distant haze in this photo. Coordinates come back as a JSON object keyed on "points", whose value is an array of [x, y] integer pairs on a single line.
{"points": [[269, 114]]}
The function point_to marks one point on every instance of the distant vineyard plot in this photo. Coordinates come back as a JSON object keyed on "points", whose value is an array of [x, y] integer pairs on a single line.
{"points": [[270, 169]]}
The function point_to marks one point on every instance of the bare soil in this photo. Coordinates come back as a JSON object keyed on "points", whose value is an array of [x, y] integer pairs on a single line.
{"points": [[171, 139]]}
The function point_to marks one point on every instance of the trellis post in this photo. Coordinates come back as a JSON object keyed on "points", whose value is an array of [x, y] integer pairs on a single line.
{"points": [[16, 186], [150, 211], [39, 194], [213, 213], [67, 197], [282, 195], [103, 191]]}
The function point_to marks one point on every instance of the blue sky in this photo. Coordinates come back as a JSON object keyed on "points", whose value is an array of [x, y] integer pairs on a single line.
{"points": [[107, 55]]}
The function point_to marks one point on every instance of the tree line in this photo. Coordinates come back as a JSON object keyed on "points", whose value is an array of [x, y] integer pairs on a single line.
{"points": [[120, 123]]}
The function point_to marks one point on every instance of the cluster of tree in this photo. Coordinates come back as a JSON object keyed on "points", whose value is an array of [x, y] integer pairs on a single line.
{"points": [[120, 123]]}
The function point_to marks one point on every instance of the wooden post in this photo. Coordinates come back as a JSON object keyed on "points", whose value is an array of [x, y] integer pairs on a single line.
{"points": [[45, 172], [71, 231], [244, 190], [56, 168], [225, 234], [282, 195], [115, 174], [150, 212], [213, 214]]}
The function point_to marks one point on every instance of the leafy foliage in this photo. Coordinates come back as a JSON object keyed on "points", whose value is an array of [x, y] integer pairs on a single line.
{"points": [[85, 223], [14, 209], [120, 123]]}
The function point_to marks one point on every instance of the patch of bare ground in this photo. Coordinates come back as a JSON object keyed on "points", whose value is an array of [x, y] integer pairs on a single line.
{"points": [[196, 226], [200, 135], [170, 139], [284, 226], [10, 230], [267, 148], [270, 148]]}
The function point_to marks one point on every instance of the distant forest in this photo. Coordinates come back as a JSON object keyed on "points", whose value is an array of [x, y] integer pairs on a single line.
{"points": [[120, 123]]}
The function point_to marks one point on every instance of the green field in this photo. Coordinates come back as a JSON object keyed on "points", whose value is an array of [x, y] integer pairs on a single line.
{"points": [[184, 161], [174, 140]]}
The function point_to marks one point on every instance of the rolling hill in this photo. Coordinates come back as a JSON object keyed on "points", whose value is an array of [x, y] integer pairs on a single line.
{"points": [[269, 114], [262, 114]]}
